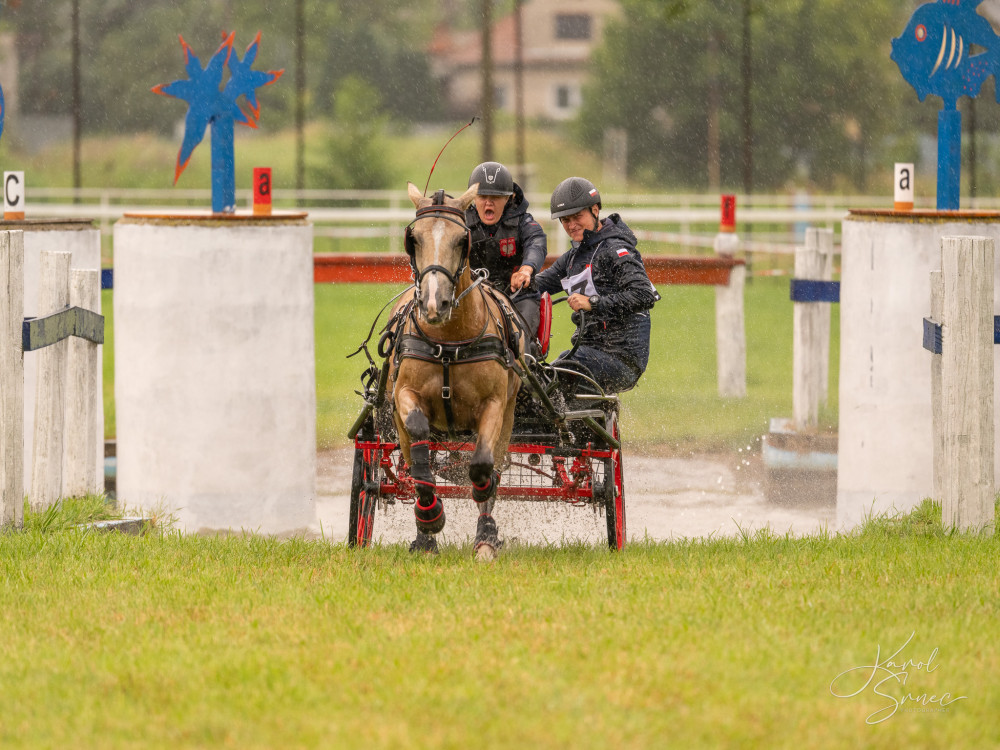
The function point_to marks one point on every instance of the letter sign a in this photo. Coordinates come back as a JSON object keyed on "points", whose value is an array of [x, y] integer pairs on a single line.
{"points": [[903, 200], [262, 190]]}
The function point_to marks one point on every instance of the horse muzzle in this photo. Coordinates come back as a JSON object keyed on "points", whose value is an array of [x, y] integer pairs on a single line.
{"points": [[435, 301]]}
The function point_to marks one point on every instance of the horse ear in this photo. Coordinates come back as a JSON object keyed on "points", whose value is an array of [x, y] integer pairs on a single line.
{"points": [[468, 196], [414, 192]]}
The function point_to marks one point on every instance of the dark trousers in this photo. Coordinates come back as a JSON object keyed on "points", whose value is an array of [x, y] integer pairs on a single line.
{"points": [[611, 373]]}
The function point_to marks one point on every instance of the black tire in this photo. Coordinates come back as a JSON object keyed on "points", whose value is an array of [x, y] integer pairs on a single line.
{"points": [[361, 517], [614, 494]]}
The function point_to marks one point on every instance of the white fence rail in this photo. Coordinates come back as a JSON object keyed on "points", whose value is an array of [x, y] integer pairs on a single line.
{"points": [[767, 223]]}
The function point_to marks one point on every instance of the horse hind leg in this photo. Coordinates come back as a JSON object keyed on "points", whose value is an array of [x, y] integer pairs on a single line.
{"points": [[429, 510]]}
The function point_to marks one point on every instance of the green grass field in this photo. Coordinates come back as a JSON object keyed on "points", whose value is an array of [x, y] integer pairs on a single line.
{"points": [[168, 641]]}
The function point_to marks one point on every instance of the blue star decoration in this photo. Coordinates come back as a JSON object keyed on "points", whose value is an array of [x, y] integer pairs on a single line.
{"points": [[209, 103]]}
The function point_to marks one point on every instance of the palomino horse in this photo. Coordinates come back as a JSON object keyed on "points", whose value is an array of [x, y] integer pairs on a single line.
{"points": [[452, 364]]}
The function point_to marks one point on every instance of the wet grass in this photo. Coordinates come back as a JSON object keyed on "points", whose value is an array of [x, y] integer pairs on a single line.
{"points": [[185, 641]]}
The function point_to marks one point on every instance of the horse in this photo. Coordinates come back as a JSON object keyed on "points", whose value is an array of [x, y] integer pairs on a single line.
{"points": [[453, 364]]}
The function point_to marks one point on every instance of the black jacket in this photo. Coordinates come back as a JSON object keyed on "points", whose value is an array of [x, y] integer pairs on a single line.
{"points": [[514, 241], [619, 323]]}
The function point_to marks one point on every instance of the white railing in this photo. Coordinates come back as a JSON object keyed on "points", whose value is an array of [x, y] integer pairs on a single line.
{"points": [[767, 223]]}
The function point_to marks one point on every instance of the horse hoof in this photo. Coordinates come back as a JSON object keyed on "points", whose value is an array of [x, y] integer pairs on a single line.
{"points": [[486, 552], [424, 543]]}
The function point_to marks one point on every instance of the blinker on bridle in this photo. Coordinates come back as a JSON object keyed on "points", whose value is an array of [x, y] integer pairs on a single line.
{"points": [[438, 210]]}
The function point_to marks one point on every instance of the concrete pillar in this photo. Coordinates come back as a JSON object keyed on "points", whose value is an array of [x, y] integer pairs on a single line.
{"points": [[885, 459], [215, 370]]}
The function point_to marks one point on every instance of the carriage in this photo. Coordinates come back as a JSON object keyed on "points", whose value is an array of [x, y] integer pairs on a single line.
{"points": [[476, 410], [565, 447]]}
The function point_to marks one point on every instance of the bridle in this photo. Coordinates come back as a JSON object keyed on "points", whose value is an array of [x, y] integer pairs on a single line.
{"points": [[438, 210]]}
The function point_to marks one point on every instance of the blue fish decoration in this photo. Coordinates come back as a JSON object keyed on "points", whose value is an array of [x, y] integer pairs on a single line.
{"points": [[936, 55]]}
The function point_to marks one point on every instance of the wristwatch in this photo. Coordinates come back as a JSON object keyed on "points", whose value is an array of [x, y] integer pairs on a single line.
{"points": [[594, 300]]}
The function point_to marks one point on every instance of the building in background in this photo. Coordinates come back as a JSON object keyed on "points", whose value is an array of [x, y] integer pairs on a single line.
{"points": [[559, 37]]}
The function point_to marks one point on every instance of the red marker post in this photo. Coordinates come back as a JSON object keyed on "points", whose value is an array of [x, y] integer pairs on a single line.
{"points": [[726, 241], [262, 191]]}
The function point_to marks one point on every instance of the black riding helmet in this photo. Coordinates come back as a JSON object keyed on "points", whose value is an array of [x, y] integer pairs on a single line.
{"points": [[493, 178], [572, 195]]}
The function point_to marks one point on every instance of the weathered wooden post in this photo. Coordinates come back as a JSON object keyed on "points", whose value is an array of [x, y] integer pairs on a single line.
{"points": [[967, 381], [83, 402], [937, 405], [730, 326], [11, 380], [807, 340], [822, 239], [46, 470]]}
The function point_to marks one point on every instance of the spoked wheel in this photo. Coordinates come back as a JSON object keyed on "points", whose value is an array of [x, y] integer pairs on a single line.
{"points": [[614, 497], [361, 518]]}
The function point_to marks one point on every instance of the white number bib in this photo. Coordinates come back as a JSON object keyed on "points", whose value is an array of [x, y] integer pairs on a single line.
{"points": [[582, 283]]}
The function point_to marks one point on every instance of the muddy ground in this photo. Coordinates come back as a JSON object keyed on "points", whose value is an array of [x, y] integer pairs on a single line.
{"points": [[667, 497]]}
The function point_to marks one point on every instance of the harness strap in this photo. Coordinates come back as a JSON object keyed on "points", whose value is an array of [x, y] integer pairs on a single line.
{"points": [[480, 350]]}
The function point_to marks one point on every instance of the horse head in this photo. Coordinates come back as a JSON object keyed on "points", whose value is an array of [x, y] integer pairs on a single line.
{"points": [[438, 242]]}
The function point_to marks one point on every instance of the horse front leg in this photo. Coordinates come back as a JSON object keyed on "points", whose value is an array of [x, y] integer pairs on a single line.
{"points": [[428, 510]]}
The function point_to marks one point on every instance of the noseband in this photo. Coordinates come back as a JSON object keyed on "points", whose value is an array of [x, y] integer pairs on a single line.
{"points": [[438, 210]]}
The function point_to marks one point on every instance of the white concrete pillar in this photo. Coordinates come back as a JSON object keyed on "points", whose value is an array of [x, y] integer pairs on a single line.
{"points": [[215, 370]]}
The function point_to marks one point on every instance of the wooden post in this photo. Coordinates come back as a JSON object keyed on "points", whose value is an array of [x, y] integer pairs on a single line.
{"points": [[730, 324], [822, 240], [807, 343], [967, 381], [83, 379], [937, 404], [11, 380], [730, 335], [46, 469]]}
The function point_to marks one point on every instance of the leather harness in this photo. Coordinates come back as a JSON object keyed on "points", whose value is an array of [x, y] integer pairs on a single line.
{"points": [[416, 344]]}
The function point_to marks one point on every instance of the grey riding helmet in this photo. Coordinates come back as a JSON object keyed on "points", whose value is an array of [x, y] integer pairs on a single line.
{"points": [[493, 178], [573, 195]]}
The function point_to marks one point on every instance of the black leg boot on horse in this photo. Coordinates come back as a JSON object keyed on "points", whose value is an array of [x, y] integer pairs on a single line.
{"points": [[485, 480], [429, 510]]}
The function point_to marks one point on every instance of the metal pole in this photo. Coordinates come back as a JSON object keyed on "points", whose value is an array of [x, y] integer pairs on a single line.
{"points": [[519, 95], [300, 94], [747, 72], [487, 81], [77, 115], [972, 149]]}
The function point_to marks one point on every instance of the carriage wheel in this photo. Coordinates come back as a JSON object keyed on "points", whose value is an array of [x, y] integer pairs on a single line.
{"points": [[614, 498], [361, 516]]}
